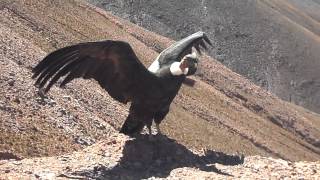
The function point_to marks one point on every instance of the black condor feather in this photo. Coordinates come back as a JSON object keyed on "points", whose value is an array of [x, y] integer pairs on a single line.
{"points": [[117, 69]]}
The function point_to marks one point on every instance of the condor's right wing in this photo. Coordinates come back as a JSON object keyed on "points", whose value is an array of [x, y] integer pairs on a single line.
{"points": [[179, 49]]}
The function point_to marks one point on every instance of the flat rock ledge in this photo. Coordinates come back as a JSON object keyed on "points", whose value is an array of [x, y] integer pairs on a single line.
{"points": [[121, 157]]}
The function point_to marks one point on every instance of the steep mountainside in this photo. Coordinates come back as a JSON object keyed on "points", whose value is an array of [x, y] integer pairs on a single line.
{"points": [[274, 43], [222, 114]]}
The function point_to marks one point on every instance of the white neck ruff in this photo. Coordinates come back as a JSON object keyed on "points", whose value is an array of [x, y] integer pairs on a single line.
{"points": [[176, 70]]}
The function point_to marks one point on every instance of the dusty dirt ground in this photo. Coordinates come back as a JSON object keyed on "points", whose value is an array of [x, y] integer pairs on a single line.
{"points": [[77, 126]]}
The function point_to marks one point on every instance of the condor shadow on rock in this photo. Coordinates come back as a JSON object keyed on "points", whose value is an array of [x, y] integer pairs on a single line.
{"points": [[158, 159], [117, 69]]}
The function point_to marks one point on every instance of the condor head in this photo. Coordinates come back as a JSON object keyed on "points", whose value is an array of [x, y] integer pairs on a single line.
{"points": [[187, 66], [190, 61]]}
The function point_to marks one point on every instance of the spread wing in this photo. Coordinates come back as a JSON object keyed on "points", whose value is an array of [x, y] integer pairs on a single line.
{"points": [[183, 47], [113, 64]]}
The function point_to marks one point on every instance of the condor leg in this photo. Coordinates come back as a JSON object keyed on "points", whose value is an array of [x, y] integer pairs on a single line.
{"points": [[149, 125], [132, 126], [159, 116], [158, 129]]}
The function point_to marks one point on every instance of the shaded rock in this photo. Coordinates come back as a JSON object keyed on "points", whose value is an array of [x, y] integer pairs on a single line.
{"points": [[9, 155]]}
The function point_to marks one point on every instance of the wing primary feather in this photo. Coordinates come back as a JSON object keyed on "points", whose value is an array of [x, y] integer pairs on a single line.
{"points": [[78, 71], [55, 79], [50, 71], [202, 44], [198, 48], [51, 60], [67, 68], [205, 37]]}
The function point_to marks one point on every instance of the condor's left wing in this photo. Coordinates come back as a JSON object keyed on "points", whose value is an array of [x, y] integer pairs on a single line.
{"points": [[113, 64]]}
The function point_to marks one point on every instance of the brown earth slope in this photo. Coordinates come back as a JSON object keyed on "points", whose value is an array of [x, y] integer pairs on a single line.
{"points": [[274, 43], [223, 112]]}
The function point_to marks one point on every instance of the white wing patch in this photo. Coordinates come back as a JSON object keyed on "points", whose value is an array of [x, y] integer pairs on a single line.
{"points": [[155, 66]]}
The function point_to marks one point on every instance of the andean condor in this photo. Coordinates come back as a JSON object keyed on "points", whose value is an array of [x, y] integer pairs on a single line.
{"points": [[115, 66]]}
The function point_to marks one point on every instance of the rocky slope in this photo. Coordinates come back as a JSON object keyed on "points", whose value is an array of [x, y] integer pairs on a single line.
{"points": [[223, 113], [273, 43], [121, 158]]}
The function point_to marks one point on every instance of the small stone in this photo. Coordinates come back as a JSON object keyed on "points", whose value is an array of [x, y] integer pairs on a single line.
{"points": [[61, 113], [106, 154], [112, 142], [7, 171], [99, 168], [64, 159], [45, 175], [11, 82], [67, 98], [17, 163], [16, 100], [84, 141]]}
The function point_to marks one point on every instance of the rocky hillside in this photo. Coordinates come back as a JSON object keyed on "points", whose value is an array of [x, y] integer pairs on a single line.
{"points": [[222, 114], [274, 43]]}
